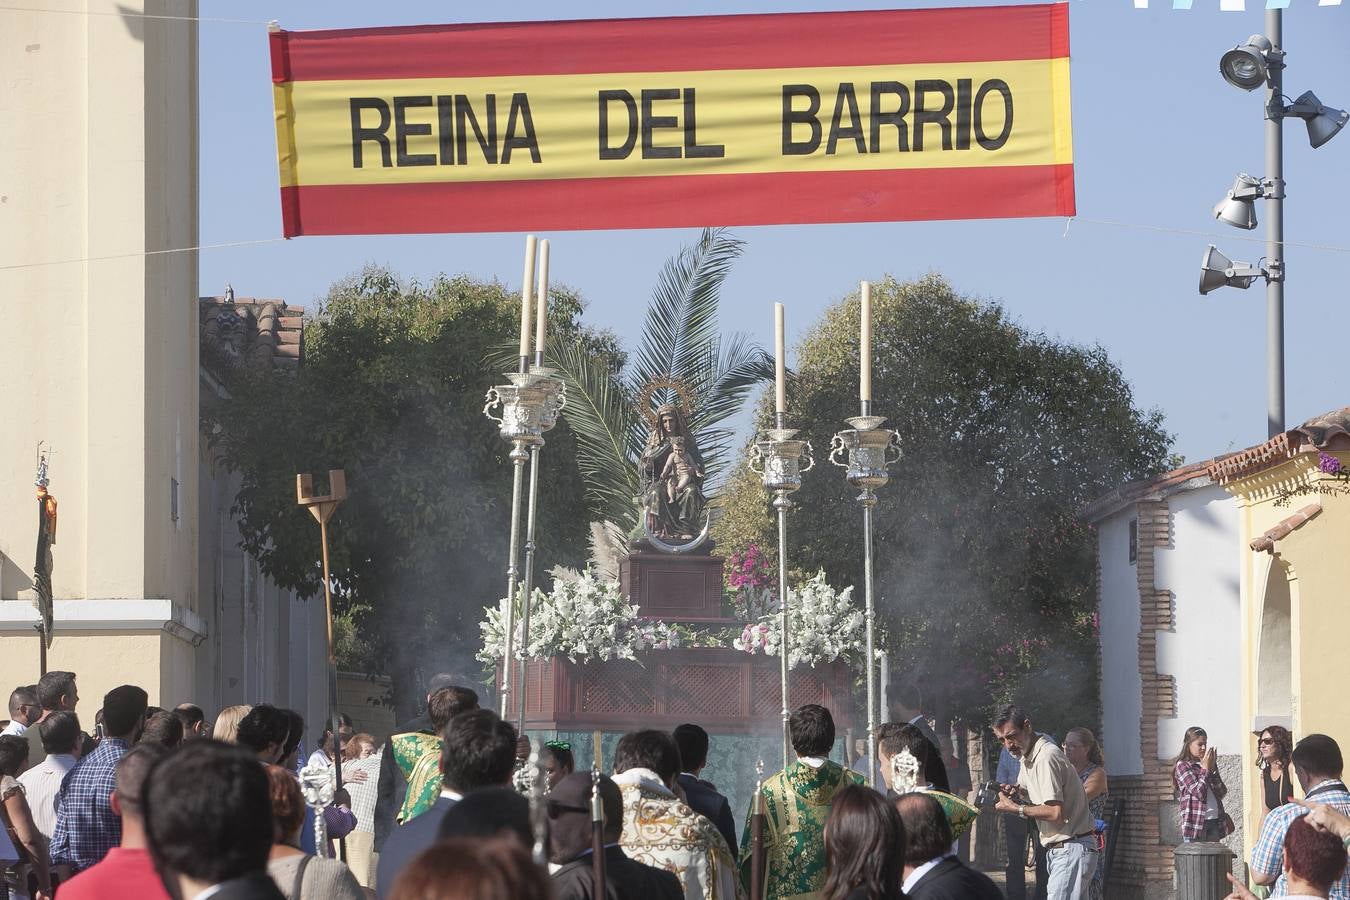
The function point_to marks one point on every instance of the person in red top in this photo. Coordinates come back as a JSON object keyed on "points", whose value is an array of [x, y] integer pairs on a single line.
{"points": [[127, 870]]}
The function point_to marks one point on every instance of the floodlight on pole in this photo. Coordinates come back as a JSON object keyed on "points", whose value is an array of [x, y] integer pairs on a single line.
{"points": [[1217, 270], [1323, 121], [1238, 208], [1245, 66]]}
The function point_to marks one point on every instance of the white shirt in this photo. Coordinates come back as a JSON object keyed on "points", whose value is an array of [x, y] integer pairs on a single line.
{"points": [[42, 785], [1211, 805], [448, 794], [814, 762], [15, 728], [918, 873], [319, 758]]}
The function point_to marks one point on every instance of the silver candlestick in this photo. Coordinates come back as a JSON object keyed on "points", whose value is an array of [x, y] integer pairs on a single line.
{"points": [[778, 460], [555, 398], [531, 399], [869, 448]]}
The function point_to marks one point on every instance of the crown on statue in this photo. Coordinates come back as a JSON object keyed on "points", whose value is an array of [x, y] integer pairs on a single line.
{"points": [[662, 387]]}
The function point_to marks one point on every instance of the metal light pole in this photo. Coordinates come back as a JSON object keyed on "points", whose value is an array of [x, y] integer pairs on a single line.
{"points": [[1275, 225], [1260, 61]]}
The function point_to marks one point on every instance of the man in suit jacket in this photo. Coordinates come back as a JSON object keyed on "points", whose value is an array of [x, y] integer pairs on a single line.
{"points": [[478, 750], [208, 822], [393, 786], [931, 872], [702, 795], [570, 847]]}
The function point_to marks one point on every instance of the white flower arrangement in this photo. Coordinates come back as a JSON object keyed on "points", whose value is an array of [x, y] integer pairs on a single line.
{"points": [[583, 618], [823, 623], [589, 619]]}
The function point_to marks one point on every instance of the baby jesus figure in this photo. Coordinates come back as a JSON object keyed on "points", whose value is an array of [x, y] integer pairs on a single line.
{"points": [[679, 470]]}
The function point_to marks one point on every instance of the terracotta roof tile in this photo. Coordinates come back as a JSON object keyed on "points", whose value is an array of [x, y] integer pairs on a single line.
{"points": [[1155, 487], [1328, 431], [250, 331], [1266, 542]]}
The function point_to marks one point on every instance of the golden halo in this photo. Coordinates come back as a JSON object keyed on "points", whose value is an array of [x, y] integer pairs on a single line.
{"points": [[664, 383]]}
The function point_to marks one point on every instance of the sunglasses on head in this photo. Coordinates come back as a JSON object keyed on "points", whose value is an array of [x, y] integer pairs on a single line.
{"points": [[556, 809]]}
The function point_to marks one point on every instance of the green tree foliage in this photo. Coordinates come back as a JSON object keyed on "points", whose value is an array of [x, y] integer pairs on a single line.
{"points": [[985, 576], [391, 390]]}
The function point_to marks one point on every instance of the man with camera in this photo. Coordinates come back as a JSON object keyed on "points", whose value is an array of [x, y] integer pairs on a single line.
{"points": [[1049, 793]]}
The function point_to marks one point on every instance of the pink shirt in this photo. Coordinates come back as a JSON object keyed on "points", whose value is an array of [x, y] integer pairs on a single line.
{"points": [[122, 873]]}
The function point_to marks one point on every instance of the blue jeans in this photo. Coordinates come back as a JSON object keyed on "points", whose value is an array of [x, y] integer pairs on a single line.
{"points": [[1071, 865]]}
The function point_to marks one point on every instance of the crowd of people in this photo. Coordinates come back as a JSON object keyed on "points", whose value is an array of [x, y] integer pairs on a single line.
{"points": [[456, 804]]}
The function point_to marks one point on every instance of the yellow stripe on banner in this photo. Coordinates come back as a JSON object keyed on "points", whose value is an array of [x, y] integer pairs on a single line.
{"points": [[946, 115]]}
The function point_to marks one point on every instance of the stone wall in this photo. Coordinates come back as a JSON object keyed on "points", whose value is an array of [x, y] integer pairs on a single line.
{"points": [[365, 699]]}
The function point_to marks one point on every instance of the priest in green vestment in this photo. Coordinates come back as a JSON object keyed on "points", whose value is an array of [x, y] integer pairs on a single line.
{"points": [[796, 805], [418, 754]]}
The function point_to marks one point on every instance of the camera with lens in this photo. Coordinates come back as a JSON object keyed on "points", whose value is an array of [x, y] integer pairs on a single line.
{"points": [[988, 794]]}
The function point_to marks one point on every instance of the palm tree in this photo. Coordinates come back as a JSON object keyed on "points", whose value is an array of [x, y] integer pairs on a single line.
{"points": [[680, 341]]}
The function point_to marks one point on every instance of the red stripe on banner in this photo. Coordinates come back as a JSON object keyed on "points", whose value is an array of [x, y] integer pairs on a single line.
{"points": [[278, 43], [675, 44], [1059, 30], [678, 201]]}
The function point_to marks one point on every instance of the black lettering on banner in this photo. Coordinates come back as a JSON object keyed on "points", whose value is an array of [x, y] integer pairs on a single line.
{"points": [[993, 84], [403, 128], [923, 115], [846, 97], [692, 148], [465, 119], [963, 114], [445, 128], [895, 117], [806, 117], [607, 151], [361, 133], [652, 122], [520, 111]]}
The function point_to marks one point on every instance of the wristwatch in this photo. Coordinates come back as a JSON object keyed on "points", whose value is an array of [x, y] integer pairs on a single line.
{"points": [[1022, 811]]}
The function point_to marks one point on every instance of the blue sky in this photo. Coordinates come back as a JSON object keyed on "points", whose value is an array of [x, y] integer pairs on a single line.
{"points": [[1158, 138]]}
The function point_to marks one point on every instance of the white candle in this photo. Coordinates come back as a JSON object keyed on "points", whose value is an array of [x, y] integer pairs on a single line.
{"points": [[541, 301], [526, 286], [779, 359], [865, 370]]}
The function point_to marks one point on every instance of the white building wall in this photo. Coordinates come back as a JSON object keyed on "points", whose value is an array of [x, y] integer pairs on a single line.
{"points": [[98, 166], [1119, 631], [1203, 653]]}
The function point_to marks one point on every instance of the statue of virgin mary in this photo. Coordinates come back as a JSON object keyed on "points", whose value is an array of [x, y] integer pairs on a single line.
{"points": [[672, 477]]}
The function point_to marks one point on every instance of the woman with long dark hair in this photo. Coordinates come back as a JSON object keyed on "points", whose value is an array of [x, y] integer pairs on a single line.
{"points": [[1273, 748], [864, 847], [1200, 789]]}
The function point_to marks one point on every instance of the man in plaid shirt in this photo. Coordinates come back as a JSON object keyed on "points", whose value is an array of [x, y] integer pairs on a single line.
{"points": [[1318, 763], [86, 826]]}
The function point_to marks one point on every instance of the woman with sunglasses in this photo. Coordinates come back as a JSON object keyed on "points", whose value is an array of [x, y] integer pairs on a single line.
{"points": [[1273, 747]]}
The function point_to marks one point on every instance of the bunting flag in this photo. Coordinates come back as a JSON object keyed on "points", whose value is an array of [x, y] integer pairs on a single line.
{"points": [[649, 123]]}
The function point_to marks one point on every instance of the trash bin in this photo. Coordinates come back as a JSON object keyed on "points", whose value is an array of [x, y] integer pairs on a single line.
{"points": [[1201, 868]]}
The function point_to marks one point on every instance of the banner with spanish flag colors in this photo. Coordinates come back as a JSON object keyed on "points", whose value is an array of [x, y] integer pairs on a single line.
{"points": [[647, 123]]}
